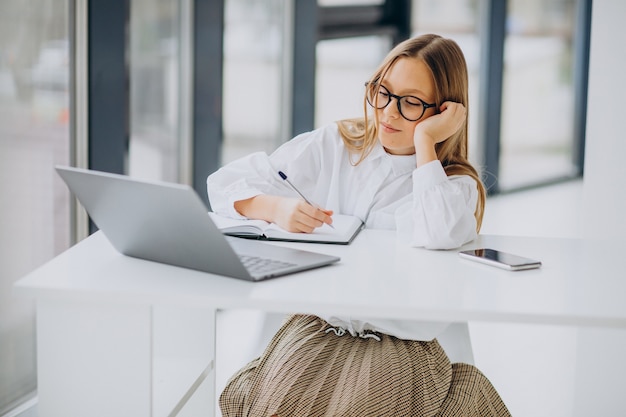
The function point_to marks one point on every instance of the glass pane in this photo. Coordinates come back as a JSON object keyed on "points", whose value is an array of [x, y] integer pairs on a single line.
{"points": [[457, 20], [253, 38], [154, 89], [34, 137], [342, 69], [538, 93]]}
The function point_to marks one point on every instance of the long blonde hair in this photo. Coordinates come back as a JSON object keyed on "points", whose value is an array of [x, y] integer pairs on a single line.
{"points": [[448, 68]]}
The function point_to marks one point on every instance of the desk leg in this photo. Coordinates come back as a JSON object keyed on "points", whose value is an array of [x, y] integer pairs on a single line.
{"points": [[93, 359], [184, 361]]}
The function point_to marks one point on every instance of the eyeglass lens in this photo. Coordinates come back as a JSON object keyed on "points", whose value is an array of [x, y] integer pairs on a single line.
{"points": [[410, 107]]}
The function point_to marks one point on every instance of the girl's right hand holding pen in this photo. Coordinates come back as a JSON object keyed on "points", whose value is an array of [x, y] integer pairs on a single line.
{"points": [[292, 214], [296, 215]]}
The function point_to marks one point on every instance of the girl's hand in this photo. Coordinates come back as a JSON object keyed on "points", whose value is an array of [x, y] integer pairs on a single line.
{"points": [[439, 127], [296, 215], [292, 214]]}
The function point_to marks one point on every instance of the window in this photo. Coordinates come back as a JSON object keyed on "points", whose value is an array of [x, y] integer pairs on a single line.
{"points": [[155, 90], [342, 68], [537, 137], [253, 82], [34, 137], [537, 141]]}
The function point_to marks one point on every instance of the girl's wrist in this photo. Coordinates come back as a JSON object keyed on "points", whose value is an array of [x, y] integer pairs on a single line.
{"points": [[258, 207], [424, 150]]}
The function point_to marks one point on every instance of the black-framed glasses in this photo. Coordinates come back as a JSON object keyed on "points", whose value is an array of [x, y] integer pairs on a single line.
{"points": [[410, 107]]}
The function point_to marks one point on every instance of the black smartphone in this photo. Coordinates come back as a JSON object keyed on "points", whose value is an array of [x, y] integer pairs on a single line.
{"points": [[500, 259]]}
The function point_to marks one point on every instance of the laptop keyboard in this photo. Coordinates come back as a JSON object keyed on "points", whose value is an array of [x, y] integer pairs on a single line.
{"points": [[257, 265]]}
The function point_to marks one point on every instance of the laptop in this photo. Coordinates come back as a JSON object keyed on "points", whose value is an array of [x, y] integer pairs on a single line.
{"points": [[169, 223]]}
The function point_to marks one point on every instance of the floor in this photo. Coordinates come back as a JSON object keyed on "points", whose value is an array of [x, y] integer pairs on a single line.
{"points": [[530, 365]]}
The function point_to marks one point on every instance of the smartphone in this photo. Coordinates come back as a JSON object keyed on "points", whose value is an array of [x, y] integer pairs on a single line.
{"points": [[500, 259]]}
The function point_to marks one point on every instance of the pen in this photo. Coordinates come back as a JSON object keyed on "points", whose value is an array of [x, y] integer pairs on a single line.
{"points": [[293, 187]]}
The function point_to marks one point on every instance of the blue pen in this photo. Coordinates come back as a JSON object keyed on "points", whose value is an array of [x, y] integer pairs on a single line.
{"points": [[293, 187]]}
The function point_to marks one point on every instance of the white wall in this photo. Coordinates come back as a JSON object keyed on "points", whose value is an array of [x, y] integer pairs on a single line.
{"points": [[605, 154], [600, 351]]}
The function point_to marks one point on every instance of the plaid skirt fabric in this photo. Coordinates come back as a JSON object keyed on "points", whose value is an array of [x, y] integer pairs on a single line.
{"points": [[309, 370]]}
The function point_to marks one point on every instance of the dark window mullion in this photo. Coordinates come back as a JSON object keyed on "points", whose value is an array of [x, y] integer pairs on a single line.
{"points": [[582, 42], [108, 85], [304, 64], [208, 78], [491, 75], [108, 89]]}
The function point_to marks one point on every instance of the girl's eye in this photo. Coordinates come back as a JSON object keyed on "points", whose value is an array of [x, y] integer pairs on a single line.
{"points": [[413, 102]]}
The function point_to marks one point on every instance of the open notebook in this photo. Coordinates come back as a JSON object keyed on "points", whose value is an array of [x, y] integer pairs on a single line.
{"points": [[344, 230]]}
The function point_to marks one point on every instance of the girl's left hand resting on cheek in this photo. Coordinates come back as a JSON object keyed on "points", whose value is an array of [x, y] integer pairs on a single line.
{"points": [[437, 128], [441, 126]]}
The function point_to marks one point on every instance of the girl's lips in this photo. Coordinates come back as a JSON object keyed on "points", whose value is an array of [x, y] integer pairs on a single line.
{"points": [[388, 128]]}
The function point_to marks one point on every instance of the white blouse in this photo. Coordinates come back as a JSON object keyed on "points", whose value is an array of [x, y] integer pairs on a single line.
{"points": [[425, 206]]}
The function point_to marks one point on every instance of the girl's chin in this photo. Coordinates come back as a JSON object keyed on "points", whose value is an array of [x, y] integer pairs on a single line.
{"points": [[395, 146]]}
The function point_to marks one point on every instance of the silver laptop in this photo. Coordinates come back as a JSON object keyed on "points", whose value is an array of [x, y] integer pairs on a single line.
{"points": [[168, 223]]}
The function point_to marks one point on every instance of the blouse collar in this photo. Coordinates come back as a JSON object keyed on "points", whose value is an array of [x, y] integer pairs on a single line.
{"points": [[400, 164]]}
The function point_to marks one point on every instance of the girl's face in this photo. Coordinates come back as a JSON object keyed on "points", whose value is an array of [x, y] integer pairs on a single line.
{"points": [[406, 77]]}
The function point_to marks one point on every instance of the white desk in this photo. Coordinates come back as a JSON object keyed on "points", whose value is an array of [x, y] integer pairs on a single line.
{"points": [[105, 346]]}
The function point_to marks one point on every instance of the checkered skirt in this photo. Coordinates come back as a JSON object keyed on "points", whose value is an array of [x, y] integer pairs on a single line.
{"points": [[308, 370]]}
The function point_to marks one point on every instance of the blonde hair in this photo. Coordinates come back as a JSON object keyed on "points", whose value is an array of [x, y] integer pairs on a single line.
{"points": [[448, 68]]}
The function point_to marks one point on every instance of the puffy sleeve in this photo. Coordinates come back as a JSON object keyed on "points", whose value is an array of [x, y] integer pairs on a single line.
{"points": [[257, 173], [440, 214], [239, 180]]}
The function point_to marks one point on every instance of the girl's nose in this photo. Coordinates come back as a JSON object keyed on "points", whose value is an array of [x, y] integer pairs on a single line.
{"points": [[391, 109]]}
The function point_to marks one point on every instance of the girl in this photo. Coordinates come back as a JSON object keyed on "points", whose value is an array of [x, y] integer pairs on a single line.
{"points": [[403, 166]]}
